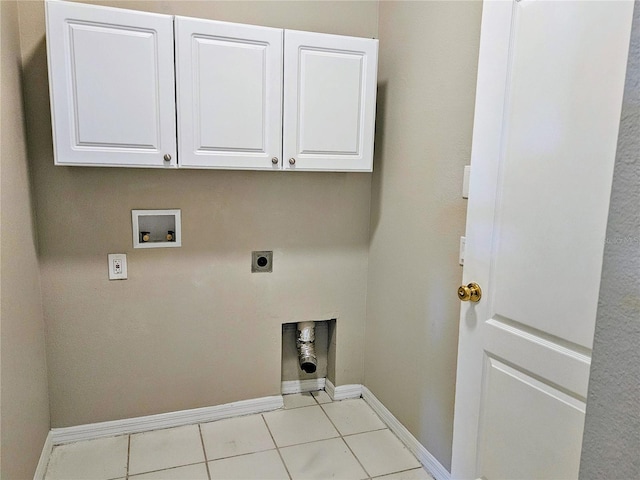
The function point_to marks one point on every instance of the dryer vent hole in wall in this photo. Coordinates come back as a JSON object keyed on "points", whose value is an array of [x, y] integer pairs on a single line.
{"points": [[306, 340], [297, 375], [262, 262]]}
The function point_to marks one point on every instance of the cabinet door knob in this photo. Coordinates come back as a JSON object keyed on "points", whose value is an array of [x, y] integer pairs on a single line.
{"points": [[275, 160], [292, 161], [167, 157]]}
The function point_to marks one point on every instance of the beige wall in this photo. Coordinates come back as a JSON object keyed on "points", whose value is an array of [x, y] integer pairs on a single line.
{"points": [[24, 421], [192, 327], [427, 74]]}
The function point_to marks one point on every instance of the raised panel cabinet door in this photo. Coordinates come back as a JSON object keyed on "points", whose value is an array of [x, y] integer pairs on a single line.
{"points": [[229, 84], [329, 101], [112, 86], [548, 102]]}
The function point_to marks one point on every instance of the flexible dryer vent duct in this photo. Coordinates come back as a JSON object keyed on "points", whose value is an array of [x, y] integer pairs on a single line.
{"points": [[306, 346]]}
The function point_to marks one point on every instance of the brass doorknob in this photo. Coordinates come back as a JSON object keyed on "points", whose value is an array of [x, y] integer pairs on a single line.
{"points": [[470, 293]]}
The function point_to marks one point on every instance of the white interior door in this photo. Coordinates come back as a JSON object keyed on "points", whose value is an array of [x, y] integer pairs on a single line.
{"points": [[229, 84], [329, 101], [112, 86], [550, 85]]}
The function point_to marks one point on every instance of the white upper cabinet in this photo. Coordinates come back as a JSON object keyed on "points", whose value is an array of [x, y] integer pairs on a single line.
{"points": [[111, 74], [229, 93], [329, 101], [232, 96]]}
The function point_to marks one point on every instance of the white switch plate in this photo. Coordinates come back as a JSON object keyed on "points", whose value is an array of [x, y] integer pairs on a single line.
{"points": [[465, 181], [117, 266], [463, 241]]}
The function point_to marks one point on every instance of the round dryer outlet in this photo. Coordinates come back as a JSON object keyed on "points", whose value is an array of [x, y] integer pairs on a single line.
{"points": [[262, 261]]}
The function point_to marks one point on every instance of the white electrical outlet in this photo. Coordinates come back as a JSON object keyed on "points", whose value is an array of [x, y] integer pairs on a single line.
{"points": [[117, 266]]}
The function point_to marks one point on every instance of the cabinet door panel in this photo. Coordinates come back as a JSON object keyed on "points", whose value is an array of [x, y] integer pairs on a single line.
{"points": [[229, 80], [329, 107], [112, 86], [330, 126]]}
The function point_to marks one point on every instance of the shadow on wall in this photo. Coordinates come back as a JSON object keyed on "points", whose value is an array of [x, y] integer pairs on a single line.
{"points": [[378, 163], [32, 82]]}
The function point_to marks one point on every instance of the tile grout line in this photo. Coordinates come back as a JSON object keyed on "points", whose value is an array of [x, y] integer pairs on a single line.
{"points": [[167, 468], [345, 442], [277, 448], [235, 455], [302, 406], [308, 442], [366, 431], [318, 401], [343, 436], [356, 457], [204, 450], [401, 471], [128, 456]]}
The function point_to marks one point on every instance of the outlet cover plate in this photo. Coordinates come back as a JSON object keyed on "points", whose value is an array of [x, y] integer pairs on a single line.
{"points": [[262, 261], [117, 266]]}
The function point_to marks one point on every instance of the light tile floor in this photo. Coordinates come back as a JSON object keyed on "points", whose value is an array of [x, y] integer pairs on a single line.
{"points": [[311, 438]]}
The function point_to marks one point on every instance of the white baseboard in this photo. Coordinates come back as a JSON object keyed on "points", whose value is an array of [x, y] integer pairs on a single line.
{"points": [[164, 420], [299, 386], [342, 392], [47, 448], [433, 466], [59, 436]]}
